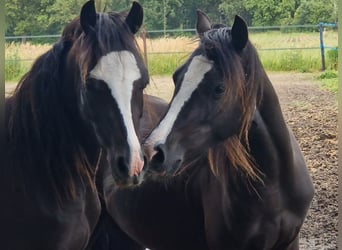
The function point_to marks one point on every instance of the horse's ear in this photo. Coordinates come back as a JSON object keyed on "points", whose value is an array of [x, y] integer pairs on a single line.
{"points": [[135, 17], [239, 33], [88, 16], [203, 23]]}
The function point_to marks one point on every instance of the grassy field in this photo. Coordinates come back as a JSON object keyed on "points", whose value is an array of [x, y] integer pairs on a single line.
{"points": [[166, 54]]}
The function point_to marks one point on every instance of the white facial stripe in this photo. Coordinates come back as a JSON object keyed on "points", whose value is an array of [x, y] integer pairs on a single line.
{"points": [[119, 70], [198, 67]]}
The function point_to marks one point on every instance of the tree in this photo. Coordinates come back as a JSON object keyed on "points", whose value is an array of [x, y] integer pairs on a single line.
{"points": [[27, 17], [36, 17], [62, 12], [230, 8], [264, 13], [187, 13], [113, 5], [162, 15], [315, 11]]}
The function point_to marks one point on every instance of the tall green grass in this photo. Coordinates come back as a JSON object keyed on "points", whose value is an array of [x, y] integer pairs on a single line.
{"points": [[291, 60], [332, 59], [19, 58], [165, 64], [272, 60], [329, 80], [15, 68]]}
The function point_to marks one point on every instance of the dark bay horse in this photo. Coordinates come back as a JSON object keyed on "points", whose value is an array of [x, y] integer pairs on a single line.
{"points": [[226, 171], [80, 100]]}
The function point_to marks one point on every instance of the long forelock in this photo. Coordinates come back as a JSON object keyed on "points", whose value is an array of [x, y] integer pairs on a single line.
{"points": [[110, 34], [113, 33], [217, 44], [242, 86]]}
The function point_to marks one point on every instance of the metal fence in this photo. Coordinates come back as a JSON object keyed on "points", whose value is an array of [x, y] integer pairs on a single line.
{"points": [[319, 29]]}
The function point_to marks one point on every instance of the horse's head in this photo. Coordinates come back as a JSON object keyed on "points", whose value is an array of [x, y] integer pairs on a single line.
{"points": [[111, 77], [210, 103]]}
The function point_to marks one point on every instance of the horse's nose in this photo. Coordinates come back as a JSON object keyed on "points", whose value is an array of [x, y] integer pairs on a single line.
{"points": [[130, 169], [166, 160], [130, 173]]}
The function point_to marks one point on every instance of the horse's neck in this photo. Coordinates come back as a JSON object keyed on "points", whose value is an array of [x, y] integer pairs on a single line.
{"points": [[278, 154], [269, 135], [271, 114]]}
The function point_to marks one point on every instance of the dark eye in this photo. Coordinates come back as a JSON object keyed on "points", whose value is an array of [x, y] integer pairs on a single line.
{"points": [[219, 90]]}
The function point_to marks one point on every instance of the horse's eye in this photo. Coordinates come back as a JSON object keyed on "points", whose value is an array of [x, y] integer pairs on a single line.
{"points": [[219, 90]]}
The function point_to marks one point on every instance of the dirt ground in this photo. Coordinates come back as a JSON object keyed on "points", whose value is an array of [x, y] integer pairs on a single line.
{"points": [[311, 112]]}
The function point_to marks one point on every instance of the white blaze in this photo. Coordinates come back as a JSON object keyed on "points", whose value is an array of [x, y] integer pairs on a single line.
{"points": [[119, 70], [198, 67]]}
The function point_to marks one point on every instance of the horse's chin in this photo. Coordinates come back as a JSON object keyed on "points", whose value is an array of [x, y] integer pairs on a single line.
{"points": [[129, 181], [161, 171]]}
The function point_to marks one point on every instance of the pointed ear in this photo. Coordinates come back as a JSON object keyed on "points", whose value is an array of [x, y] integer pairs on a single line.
{"points": [[239, 33], [203, 23], [88, 16], [135, 17]]}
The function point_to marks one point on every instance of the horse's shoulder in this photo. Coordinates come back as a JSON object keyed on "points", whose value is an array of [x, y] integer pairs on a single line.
{"points": [[285, 169], [301, 190]]}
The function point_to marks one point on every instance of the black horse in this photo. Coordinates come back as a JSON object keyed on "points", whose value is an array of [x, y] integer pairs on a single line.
{"points": [[227, 172], [82, 99]]}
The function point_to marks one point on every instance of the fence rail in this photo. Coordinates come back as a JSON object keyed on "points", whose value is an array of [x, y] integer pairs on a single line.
{"points": [[322, 46]]}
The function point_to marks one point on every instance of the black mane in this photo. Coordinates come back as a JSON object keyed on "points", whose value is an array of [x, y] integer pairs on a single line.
{"points": [[47, 132], [41, 139], [244, 77]]}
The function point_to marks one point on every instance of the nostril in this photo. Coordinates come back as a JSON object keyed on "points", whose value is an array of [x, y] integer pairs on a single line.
{"points": [[145, 161], [159, 157], [123, 166]]}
